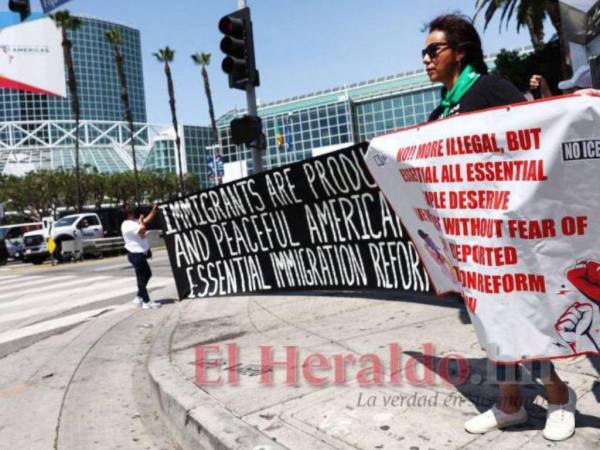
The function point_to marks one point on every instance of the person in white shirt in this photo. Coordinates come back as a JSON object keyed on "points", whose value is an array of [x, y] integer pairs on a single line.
{"points": [[138, 250]]}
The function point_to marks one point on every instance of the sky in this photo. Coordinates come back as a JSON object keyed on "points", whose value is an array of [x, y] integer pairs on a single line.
{"points": [[301, 46]]}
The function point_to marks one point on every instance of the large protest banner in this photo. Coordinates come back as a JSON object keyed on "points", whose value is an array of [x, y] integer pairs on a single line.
{"points": [[317, 224], [504, 207]]}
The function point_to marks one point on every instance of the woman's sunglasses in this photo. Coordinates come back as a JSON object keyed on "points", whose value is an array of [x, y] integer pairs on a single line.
{"points": [[432, 50]]}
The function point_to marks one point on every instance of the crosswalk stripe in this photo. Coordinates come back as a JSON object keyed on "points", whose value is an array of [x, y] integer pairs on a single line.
{"points": [[9, 277], [114, 266], [40, 283], [50, 325], [33, 281], [81, 299], [55, 295], [16, 280], [37, 289], [61, 299]]}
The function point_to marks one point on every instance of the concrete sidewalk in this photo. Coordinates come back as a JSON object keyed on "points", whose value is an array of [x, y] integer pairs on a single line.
{"points": [[406, 415]]}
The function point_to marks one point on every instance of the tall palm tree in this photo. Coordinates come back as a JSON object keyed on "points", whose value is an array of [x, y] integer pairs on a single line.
{"points": [[530, 13], [203, 60], [66, 22], [115, 39], [166, 56]]}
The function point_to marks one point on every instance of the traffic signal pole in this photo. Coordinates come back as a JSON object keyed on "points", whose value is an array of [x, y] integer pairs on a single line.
{"points": [[253, 111]]}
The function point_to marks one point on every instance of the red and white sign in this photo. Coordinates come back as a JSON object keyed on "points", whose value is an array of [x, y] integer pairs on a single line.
{"points": [[31, 58], [504, 207]]}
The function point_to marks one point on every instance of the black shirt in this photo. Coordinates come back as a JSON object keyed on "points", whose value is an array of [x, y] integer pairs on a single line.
{"points": [[487, 92]]}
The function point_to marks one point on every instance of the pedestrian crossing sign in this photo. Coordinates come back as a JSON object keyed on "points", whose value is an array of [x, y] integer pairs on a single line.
{"points": [[51, 245]]}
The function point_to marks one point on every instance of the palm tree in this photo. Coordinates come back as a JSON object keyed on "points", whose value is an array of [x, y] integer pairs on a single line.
{"points": [[166, 56], [115, 40], [203, 60], [530, 13], [66, 22]]}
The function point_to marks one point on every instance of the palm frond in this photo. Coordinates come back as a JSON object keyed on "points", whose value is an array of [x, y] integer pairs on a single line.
{"points": [[114, 36], [201, 58], [166, 54]]}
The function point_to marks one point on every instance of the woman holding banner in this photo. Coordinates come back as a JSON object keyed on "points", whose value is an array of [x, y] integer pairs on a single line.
{"points": [[134, 230], [453, 57]]}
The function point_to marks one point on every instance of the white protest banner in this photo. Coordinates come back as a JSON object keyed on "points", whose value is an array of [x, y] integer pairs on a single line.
{"points": [[31, 58], [504, 207]]}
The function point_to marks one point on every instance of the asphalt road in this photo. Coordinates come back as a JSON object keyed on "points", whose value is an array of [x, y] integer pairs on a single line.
{"points": [[73, 354]]}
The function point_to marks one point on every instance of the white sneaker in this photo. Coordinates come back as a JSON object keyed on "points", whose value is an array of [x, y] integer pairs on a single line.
{"points": [[137, 301], [560, 419], [151, 305], [493, 419]]}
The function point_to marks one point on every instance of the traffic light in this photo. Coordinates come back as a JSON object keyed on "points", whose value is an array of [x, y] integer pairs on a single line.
{"points": [[238, 45], [23, 7], [246, 129]]}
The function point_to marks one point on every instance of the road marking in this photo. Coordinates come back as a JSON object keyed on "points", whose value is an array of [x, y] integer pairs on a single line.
{"points": [[10, 277], [52, 284], [50, 325], [114, 266], [52, 293], [81, 299], [38, 281], [20, 280]]}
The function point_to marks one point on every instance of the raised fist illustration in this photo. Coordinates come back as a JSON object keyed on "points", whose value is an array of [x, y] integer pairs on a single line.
{"points": [[574, 322]]}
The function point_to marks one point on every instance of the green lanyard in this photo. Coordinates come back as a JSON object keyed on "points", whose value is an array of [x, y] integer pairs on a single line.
{"points": [[465, 81]]}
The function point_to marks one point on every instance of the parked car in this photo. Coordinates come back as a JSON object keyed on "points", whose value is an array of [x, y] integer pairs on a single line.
{"points": [[12, 235]]}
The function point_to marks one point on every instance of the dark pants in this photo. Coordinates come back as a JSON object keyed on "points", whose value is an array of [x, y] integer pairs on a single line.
{"points": [[541, 369], [142, 273]]}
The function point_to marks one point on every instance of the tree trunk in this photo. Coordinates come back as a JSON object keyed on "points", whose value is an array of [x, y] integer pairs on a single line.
{"points": [[171, 90], [120, 61], [211, 109], [72, 83], [553, 10], [537, 36], [211, 113]]}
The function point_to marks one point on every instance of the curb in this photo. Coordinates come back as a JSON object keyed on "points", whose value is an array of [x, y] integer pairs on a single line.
{"points": [[196, 420]]}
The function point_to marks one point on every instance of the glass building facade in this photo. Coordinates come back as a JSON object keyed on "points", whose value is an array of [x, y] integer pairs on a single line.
{"points": [[39, 130], [308, 125], [163, 155], [304, 126], [196, 143]]}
